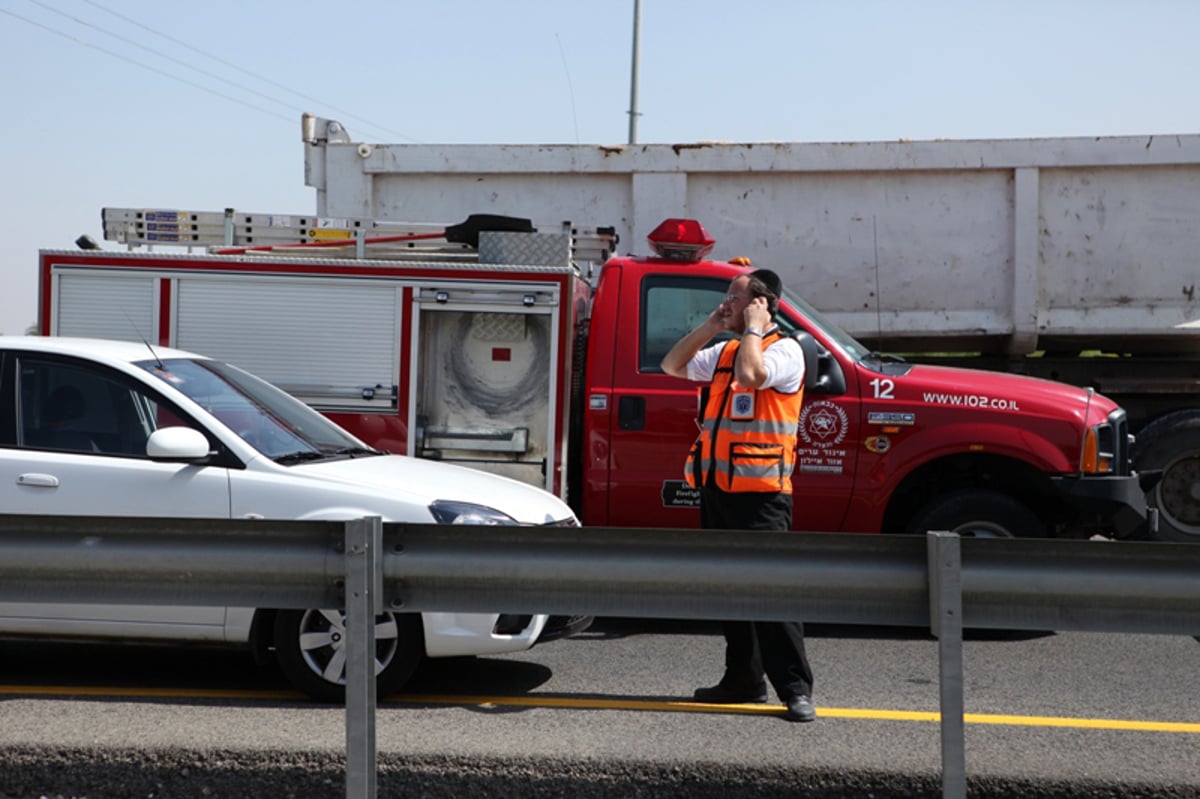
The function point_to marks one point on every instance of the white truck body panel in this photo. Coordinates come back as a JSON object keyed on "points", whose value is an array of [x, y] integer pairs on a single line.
{"points": [[1006, 245], [285, 344], [106, 306]]}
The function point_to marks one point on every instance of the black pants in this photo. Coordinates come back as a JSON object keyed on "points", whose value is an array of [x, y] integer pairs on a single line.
{"points": [[755, 648]]}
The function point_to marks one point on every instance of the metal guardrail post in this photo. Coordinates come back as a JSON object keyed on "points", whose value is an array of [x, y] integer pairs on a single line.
{"points": [[945, 621], [364, 598]]}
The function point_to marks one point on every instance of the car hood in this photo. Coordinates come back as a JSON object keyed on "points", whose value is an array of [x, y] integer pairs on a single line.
{"points": [[427, 480]]}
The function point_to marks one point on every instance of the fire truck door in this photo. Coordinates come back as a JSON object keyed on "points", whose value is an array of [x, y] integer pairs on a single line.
{"points": [[656, 422]]}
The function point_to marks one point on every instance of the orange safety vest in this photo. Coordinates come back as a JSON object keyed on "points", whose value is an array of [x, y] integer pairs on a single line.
{"points": [[747, 437]]}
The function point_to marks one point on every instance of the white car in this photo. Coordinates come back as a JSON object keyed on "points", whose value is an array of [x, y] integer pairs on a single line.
{"points": [[108, 428]]}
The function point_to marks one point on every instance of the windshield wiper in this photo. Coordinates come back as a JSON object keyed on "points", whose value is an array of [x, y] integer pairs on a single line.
{"points": [[355, 451], [299, 457], [884, 357], [313, 455]]}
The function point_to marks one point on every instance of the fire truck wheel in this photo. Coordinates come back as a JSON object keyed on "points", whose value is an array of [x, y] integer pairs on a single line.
{"points": [[1172, 443], [310, 646], [978, 513]]}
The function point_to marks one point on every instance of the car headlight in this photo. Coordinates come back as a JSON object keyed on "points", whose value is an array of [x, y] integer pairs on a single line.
{"points": [[447, 511]]}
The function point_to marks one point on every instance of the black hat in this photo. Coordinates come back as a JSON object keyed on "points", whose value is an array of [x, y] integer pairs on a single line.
{"points": [[770, 280]]}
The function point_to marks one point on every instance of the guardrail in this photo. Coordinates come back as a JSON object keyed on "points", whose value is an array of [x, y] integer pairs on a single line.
{"points": [[366, 566]]}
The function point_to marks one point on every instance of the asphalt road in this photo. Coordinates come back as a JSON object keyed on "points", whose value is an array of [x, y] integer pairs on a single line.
{"points": [[606, 714]]}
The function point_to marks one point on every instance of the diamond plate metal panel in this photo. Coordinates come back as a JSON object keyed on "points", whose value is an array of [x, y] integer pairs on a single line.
{"points": [[530, 249]]}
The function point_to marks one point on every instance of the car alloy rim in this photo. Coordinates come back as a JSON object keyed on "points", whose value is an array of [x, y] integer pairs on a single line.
{"points": [[323, 643]]}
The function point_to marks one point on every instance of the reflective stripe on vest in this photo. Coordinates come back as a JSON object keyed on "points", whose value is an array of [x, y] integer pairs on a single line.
{"points": [[756, 453]]}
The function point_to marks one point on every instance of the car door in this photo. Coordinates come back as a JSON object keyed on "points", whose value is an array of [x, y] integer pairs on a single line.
{"points": [[73, 443]]}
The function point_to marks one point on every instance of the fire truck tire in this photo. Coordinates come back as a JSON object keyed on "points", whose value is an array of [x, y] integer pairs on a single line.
{"points": [[978, 513], [1172, 443], [310, 646]]}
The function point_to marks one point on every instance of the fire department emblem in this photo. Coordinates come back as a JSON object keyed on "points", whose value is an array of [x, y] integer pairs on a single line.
{"points": [[823, 424]]}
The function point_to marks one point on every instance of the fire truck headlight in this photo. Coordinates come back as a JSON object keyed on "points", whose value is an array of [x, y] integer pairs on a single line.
{"points": [[447, 511], [1099, 450]]}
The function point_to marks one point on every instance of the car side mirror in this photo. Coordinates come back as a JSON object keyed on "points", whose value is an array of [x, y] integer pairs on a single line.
{"points": [[178, 445], [822, 373]]}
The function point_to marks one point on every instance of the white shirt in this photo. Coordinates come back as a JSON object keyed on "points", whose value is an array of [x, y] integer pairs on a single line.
{"points": [[783, 360]]}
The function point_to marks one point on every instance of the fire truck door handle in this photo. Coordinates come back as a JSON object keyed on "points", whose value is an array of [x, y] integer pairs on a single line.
{"points": [[631, 413]]}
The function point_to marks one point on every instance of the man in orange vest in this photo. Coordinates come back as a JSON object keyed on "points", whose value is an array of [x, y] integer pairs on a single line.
{"points": [[742, 463]]}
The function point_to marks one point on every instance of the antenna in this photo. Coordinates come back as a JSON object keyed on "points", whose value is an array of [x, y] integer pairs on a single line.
{"points": [[875, 243], [157, 361], [633, 72]]}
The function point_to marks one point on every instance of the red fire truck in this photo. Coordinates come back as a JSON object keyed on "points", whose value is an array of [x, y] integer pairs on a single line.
{"points": [[534, 353]]}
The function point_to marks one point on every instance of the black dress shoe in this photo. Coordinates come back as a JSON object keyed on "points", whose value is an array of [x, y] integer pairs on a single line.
{"points": [[720, 694], [800, 708]]}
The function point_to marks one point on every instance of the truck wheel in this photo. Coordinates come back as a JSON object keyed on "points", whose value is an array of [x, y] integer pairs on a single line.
{"points": [[978, 513], [1172, 443], [310, 646]]}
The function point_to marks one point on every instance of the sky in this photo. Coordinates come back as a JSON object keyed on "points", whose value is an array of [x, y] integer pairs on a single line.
{"points": [[197, 106]]}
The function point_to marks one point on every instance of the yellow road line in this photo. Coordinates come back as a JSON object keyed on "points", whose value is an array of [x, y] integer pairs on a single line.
{"points": [[1090, 724], [143, 693], [596, 703], [771, 710]]}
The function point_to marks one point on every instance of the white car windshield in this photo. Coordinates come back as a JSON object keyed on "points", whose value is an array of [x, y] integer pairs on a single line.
{"points": [[269, 419]]}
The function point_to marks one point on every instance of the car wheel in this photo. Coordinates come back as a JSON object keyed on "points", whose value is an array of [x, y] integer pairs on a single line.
{"points": [[1172, 443], [978, 513], [310, 646]]}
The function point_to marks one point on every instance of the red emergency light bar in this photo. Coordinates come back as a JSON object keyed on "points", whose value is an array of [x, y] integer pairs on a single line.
{"points": [[681, 240]]}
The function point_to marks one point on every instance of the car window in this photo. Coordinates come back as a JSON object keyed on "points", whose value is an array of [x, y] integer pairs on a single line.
{"points": [[675, 305], [70, 407]]}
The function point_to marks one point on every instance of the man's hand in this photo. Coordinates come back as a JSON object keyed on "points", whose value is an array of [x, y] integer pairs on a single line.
{"points": [[718, 320], [748, 367], [756, 314]]}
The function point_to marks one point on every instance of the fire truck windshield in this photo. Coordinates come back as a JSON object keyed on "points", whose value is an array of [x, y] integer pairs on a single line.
{"points": [[849, 344]]}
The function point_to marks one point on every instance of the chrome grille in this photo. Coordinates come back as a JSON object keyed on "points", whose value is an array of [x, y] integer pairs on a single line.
{"points": [[1120, 443]]}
